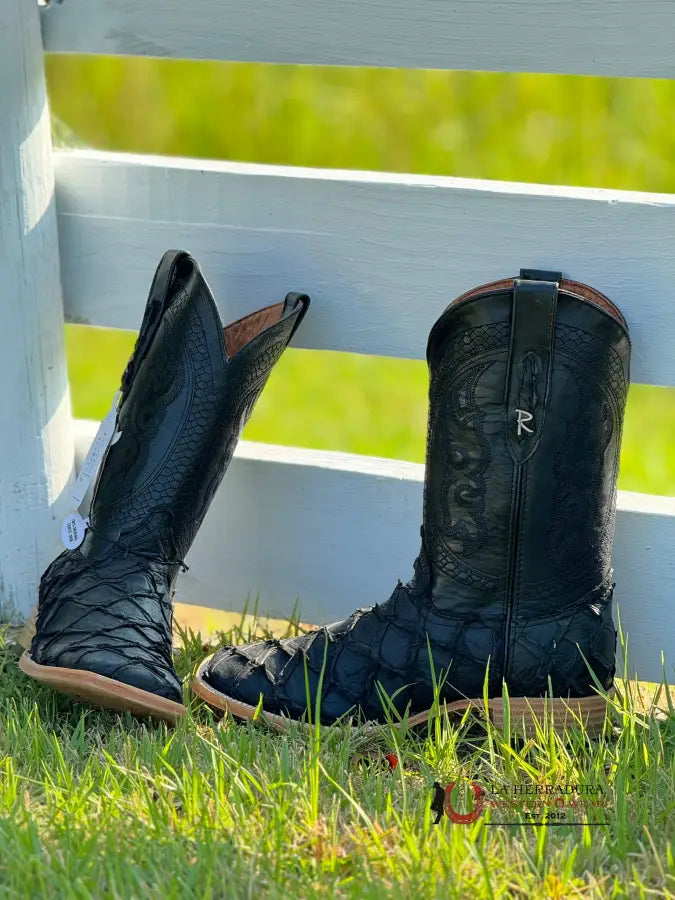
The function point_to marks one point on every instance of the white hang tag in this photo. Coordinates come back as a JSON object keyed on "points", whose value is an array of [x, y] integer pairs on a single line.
{"points": [[75, 525], [105, 437], [73, 530]]}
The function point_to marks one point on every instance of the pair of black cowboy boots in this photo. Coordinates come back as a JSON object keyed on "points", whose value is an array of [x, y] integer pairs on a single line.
{"points": [[513, 582]]}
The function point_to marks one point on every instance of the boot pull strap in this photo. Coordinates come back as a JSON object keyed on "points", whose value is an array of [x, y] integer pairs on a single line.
{"points": [[300, 302], [540, 275], [528, 381]]}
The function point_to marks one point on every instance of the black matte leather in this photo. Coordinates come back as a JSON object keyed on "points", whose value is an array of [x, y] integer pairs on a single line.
{"points": [[106, 606], [514, 575]]}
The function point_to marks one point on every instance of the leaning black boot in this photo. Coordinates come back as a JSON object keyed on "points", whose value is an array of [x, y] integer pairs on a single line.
{"points": [[513, 582], [103, 630]]}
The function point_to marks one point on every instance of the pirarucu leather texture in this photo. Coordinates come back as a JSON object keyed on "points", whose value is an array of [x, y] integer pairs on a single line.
{"points": [[106, 606], [528, 382]]}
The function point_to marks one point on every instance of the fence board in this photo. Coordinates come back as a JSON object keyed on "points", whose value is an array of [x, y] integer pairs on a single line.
{"points": [[335, 531], [597, 37], [381, 255]]}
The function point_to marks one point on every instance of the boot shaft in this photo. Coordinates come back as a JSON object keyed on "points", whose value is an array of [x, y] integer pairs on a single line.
{"points": [[528, 386], [186, 395]]}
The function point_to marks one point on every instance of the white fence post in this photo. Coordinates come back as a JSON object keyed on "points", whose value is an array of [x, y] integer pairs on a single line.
{"points": [[36, 442]]}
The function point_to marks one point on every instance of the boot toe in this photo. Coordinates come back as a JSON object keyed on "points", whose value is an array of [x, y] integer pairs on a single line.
{"points": [[163, 682], [272, 670], [286, 675], [131, 669], [236, 673]]}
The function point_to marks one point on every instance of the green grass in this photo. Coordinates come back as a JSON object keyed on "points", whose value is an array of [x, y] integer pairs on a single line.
{"points": [[587, 131], [93, 805]]}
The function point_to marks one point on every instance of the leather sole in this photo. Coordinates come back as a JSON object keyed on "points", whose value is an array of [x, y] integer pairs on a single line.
{"points": [[527, 715], [101, 691]]}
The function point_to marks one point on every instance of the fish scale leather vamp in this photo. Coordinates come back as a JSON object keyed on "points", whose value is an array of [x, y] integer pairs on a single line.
{"points": [[105, 607], [528, 382]]}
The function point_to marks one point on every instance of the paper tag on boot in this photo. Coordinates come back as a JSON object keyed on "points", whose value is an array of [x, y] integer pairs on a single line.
{"points": [[75, 525], [105, 437], [73, 530]]}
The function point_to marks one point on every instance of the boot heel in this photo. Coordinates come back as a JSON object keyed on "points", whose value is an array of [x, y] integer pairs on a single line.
{"points": [[531, 715]]}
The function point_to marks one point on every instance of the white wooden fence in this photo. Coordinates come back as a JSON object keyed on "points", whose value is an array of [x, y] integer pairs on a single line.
{"points": [[381, 256]]}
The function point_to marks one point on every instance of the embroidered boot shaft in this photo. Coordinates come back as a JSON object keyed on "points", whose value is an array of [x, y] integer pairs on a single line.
{"points": [[103, 629], [528, 385]]}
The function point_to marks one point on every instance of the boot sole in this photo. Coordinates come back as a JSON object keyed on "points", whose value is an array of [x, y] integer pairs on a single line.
{"points": [[98, 690], [528, 715]]}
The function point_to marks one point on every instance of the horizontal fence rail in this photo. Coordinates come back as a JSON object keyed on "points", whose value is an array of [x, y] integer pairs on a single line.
{"points": [[332, 532], [595, 37], [381, 255]]}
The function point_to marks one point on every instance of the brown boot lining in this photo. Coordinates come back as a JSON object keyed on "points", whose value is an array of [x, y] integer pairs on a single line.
{"points": [[239, 333], [574, 287]]}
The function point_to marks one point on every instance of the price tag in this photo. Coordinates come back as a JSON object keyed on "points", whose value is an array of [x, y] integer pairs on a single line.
{"points": [[72, 531]]}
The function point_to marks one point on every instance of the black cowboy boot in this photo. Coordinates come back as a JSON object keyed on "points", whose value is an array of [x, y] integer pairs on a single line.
{"points": [[513, 582], [103, 630]]}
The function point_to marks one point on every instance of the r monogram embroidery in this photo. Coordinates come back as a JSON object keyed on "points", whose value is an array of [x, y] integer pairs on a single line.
{"points": [[523, 418]]}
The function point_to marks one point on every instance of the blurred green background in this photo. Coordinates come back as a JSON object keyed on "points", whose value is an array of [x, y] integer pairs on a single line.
{"points": [[541, 128]]}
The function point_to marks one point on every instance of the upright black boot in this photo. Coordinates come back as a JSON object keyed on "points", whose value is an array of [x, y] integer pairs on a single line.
{"points": [[513, 582], [103, 630]]}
